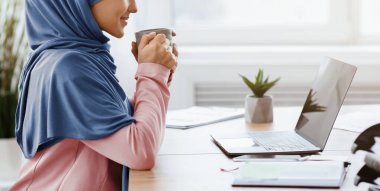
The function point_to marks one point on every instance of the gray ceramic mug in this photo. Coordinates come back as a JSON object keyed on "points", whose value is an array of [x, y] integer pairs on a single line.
{"points": [[165, 31]]}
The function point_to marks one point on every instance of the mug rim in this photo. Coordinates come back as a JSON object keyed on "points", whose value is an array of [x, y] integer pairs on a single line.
{"points": [[155, 29]]}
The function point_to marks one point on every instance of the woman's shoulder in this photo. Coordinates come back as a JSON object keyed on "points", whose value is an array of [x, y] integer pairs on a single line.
{"points": [[68, 58], [66, 63]]}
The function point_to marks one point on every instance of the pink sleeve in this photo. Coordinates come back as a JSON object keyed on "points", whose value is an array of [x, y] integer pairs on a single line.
{"points": [[136, 145]]}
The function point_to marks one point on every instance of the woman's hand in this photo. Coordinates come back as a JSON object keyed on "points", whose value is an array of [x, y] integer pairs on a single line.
{"points": [[155, 49]]}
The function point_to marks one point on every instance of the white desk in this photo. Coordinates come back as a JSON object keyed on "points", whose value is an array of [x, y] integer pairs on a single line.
{"points": [[190, 161]]}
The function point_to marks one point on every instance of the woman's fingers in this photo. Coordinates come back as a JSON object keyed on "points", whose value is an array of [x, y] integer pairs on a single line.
{"points": [[146, 39], [134, 50], [157, 49], [160, 39]]}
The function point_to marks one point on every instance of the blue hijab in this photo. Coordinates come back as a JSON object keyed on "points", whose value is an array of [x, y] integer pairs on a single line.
{"points": [[68, 87]]}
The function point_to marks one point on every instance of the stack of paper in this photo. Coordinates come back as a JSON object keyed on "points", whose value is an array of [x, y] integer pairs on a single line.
{"points": [[198, 116], [299, 174], [357, 121]]}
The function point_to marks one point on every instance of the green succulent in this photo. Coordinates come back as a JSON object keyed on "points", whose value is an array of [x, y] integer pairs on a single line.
{"points": [[13, 50], [261, 86]]}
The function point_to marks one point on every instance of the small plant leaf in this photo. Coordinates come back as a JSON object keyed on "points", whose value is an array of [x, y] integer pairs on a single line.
{"points": [[261, 86], [266, 80], [248, 83]]}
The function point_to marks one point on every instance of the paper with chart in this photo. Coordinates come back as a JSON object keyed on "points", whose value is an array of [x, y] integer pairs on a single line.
{"points": [[198, 116]]}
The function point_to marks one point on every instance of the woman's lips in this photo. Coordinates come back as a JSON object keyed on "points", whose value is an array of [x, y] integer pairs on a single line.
{"points": [[124, 20]]}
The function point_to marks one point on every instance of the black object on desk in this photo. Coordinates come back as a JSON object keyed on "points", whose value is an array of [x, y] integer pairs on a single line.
{"points": [[366, 139], [371, 170], [366, 174]]}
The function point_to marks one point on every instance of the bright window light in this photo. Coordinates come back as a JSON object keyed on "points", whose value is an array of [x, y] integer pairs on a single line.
{"points": [[250, 12], [370, 17]]}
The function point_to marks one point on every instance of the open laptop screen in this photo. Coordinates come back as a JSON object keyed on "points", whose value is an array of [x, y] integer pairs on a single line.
{"points": [[324, 101]]}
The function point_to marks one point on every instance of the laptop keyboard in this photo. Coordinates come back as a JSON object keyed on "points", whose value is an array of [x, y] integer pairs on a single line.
{"points": [[282, 141]]}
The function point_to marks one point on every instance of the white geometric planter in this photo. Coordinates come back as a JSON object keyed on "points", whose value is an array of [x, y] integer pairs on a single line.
{"points": [[10, 159], [258, 110]]}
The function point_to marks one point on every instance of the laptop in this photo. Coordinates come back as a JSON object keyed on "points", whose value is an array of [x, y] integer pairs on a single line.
{"points": [[314, 125]]}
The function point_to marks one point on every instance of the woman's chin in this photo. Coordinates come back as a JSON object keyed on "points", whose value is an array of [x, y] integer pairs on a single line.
{"points": [[117, 34], [120, 35]]}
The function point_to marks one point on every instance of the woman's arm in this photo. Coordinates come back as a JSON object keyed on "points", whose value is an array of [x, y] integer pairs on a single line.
{"points": [[136, 145]]}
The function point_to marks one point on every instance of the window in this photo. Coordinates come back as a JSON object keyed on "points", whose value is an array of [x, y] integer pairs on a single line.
{"points": [[219, 39], [369, 27], [247, 22], [251, 13]]}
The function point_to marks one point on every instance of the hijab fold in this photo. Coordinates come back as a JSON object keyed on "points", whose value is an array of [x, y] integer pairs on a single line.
{"points": [[68, 87]]}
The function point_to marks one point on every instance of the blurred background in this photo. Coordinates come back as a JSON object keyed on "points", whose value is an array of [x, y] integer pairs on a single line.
{"points": [[219, 39]]}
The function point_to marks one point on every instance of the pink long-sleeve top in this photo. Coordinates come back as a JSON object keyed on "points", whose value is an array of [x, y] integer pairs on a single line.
{"points": [[97, 165]]}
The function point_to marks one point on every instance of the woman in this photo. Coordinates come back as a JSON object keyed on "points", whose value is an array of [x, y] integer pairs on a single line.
{"points": [[74, 122]]}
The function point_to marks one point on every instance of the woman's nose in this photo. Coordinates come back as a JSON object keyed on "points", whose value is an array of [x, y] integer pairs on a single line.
{"points": [[132, 8]]}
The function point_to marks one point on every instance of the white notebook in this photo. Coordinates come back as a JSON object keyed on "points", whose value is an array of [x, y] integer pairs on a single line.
{"points": [[198, 116], [297, 174]]}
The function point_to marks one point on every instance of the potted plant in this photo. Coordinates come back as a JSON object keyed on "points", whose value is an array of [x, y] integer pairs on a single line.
{"points": [[258, 106], [13, 50]]}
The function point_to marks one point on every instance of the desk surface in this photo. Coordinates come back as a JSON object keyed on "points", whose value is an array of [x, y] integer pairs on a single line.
{"points": [[189, 160]]}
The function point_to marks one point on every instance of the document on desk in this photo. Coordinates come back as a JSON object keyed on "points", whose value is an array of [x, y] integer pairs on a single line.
{"points": [[198, 116], [298, 174], [357, 121]]}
